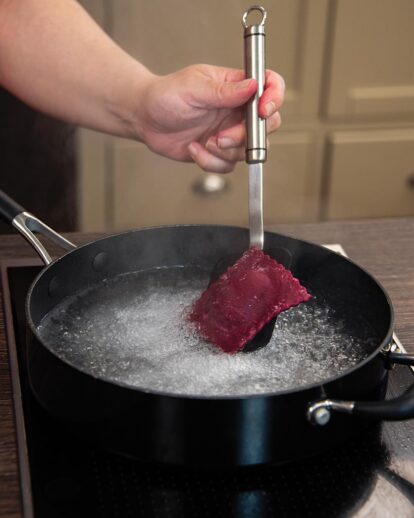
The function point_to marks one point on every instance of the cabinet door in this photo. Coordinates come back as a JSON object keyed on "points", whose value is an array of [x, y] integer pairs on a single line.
{"points": [[151, 190], [371, 63], [166, 36], [124, 185], [371, 174]]}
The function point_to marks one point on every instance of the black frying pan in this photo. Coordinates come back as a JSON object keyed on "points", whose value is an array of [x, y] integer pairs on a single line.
{"points": [[156, 425]]}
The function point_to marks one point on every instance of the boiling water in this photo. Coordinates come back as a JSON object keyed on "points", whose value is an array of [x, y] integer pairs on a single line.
{"points": [[133, 330]]}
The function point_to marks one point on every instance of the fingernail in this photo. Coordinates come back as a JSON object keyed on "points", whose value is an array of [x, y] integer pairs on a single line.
{"points": [[211, 143], [242, 85], [192, 148], [226, 142], [270, 109]]}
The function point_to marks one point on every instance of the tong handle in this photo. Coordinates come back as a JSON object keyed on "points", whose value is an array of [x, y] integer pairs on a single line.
{"points": [[254, 63]]}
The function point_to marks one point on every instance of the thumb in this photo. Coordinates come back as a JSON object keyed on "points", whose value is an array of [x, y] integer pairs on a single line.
{"points": [[226, 94]]}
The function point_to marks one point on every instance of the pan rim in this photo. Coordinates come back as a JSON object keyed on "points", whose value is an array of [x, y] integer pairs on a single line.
{"points": [[216, 397]]}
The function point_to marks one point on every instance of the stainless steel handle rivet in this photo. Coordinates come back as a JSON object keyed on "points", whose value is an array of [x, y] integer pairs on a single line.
{"points": [[322, 416], [319, 413]]}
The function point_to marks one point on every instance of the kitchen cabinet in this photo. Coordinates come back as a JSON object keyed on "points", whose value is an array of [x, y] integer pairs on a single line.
{"points": [[371, 174], [164, 192], [370, 69], [167, 36], [350, 84]]}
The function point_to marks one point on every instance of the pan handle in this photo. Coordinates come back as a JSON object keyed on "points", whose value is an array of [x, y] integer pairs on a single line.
{"points": [[397, 409], [27, 224]]}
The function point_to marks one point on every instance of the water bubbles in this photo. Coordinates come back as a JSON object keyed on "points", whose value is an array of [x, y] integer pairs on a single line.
{"points": [[133, 330]]}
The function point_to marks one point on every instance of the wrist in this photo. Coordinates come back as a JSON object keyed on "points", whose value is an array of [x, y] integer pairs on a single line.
{"points": [[127, 103]]}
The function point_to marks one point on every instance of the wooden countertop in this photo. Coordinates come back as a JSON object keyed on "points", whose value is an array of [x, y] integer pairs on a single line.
{"points": [[384, 247]]}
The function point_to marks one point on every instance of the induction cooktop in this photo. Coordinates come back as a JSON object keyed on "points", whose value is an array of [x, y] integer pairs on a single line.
{"points": [[62, 477]]}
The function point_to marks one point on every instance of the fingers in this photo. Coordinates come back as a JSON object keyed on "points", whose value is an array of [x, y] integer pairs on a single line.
{"points": [[223, 151], [232, 94], [236, 135], [213, 94], [207, 161], [229, 89], [273, 123], [233, 154], [272, 97]]}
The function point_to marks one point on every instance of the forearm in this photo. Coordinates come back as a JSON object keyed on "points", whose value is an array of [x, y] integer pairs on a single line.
{"points": [[55, 58]]}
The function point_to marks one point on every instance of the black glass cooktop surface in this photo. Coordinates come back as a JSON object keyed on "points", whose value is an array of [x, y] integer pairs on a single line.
{"points": [[369, 476]]}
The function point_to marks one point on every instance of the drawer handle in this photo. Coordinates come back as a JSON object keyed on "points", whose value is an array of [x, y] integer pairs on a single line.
{"points": [[210, 184], [410, 181]]}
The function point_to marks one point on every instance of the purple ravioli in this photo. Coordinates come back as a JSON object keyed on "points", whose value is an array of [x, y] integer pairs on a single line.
{"points": [[249, 294]]}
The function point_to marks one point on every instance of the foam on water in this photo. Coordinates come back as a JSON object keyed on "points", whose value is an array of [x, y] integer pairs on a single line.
{"points": [[133, 330]]}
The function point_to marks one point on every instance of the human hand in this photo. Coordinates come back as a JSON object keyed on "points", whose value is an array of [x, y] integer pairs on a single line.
{"points": [[197, 114]]}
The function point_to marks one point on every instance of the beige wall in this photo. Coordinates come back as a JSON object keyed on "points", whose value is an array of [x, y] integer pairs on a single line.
{"points": [[346, 147]]}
